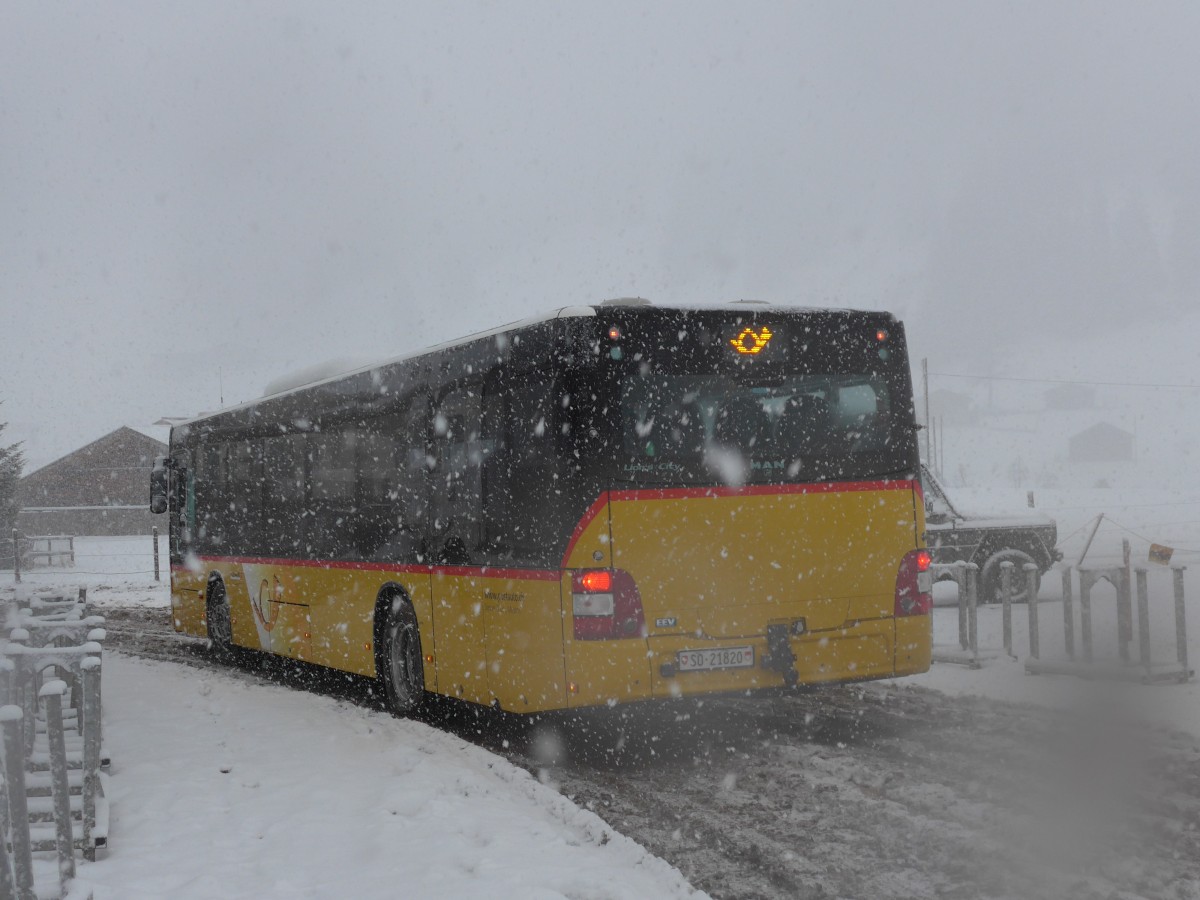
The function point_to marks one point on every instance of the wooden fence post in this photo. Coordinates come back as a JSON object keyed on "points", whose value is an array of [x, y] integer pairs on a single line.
{"points": [[12, 720], [51, 695]]}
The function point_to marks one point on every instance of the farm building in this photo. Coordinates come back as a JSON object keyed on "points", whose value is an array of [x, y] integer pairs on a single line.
{"points": [[100, 489], [1102, 443]]}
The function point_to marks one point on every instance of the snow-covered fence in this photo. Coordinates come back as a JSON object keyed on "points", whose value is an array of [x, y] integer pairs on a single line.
{"points": [[16, 818], [31, 550], [1179, 671], [54, 800], [53, 550], [128, 556], [8, 552], [968, 652], [1086, 663], [966, 577]]}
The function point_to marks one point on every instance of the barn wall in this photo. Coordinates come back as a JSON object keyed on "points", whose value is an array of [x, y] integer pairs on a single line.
{"points": [[100, 489]]}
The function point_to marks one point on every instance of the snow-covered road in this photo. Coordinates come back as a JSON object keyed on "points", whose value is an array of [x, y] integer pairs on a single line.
{"points": [[886, 791]]}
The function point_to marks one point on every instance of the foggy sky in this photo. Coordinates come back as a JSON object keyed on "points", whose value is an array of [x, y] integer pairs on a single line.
{"points": [[207, 195]]}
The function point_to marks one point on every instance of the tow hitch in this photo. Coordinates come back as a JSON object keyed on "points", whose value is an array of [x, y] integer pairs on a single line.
{"points": [[780, 657]]}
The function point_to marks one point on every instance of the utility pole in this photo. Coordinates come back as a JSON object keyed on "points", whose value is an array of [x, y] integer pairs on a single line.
{"points": [[928, 422]]}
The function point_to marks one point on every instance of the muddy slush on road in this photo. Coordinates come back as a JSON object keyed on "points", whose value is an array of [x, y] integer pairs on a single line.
{"points": [[871, 791]]}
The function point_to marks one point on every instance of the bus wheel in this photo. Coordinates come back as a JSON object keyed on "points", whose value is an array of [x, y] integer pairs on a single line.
{"points": [[220, 628], [402, 672]]}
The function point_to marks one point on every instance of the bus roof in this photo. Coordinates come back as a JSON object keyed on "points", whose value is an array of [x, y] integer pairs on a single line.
{"points": [[562, 313], [634, 305]]}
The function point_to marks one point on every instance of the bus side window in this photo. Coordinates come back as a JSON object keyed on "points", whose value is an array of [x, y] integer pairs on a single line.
{"points": [[520, 422], [456, 488], [392, 478], [244, 504], [212, 498], [331, 491], [284, 479]]}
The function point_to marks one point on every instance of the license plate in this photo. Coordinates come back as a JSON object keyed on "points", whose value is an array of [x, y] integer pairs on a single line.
{"points": [[715, 658]]}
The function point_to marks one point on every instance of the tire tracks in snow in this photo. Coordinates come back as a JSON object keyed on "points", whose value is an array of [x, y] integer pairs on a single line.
{"points": [[880, 790]]}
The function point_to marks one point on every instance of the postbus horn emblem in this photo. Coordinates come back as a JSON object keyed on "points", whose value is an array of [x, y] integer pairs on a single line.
{"points": [[266, 611], [750, 342]]}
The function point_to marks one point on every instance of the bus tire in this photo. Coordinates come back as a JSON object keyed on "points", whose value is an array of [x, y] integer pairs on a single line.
{"points": [[400, 662], [219, 620], [989, 577]]}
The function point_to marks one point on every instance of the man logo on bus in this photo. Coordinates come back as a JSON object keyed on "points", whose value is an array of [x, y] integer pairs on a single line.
{"points": [[750, 342], [267, 612]]}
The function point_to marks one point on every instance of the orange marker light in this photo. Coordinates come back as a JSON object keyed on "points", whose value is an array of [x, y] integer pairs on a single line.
{"points": [[749, 342]]}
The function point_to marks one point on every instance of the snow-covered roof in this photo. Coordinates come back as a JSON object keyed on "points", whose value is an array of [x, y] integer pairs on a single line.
{"points": [[158, 435], [564, 312]]}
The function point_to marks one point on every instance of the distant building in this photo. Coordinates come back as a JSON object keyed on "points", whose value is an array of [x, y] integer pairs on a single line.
{"points": [[1070, 396], [100, 489], [1102, 443]]}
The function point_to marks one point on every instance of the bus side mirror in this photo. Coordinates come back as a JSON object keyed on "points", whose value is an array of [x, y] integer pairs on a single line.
{"points": [[158, 485]]}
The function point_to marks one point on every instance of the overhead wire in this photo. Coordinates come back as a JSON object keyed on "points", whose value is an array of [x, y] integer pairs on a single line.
{"points": [[1129, 384]]}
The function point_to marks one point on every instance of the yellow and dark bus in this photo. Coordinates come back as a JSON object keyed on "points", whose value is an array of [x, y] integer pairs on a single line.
{"points": [[609, 504]]}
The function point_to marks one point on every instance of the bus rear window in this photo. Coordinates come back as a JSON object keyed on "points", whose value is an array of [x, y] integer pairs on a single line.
{"points": [[807, 427]]}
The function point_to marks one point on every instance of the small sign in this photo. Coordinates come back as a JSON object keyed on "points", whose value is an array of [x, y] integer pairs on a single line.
{"points": [[1160, 554]]}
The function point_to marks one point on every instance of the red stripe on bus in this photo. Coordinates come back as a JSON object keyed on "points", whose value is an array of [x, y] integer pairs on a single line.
{"points": [[582, 524], [493, 572], [469, 571]]}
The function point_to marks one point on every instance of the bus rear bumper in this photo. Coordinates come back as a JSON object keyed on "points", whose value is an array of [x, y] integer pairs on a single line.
{"points": [[860, 651]]}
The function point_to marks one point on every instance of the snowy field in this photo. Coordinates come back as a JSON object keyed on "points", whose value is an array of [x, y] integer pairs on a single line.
{"points": [[222, 787]]}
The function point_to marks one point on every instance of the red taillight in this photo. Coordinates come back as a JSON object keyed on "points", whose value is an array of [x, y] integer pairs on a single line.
{"points": [[595, 580], [914, 585], [606, 605]]}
